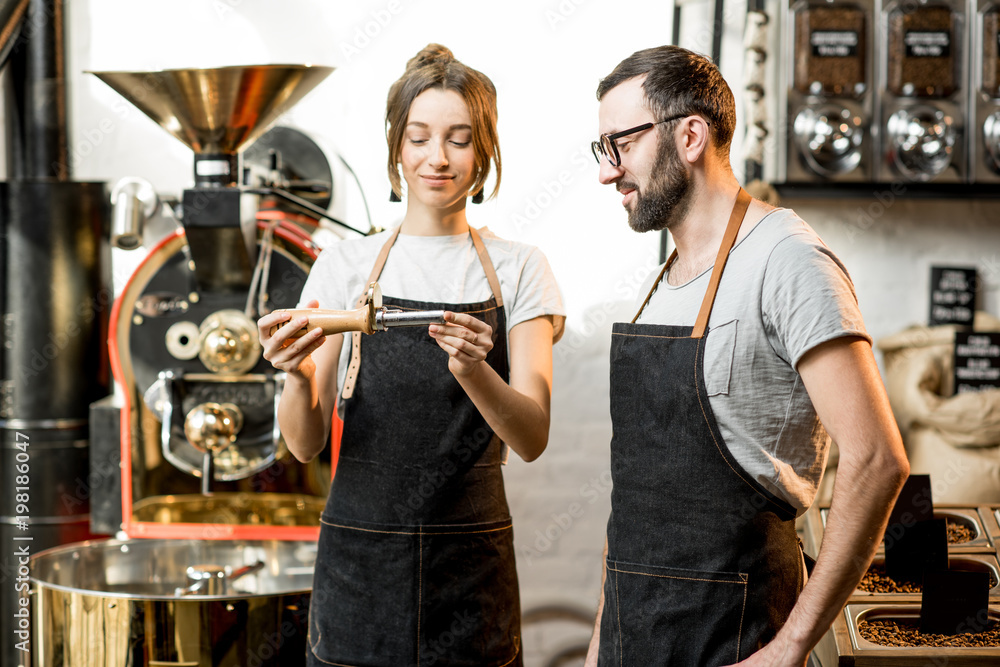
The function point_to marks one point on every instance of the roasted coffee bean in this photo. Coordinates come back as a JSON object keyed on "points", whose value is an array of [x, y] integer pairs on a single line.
{"points": [[830, 56], [959, 532], [922, 51], [907, 633], [877, 581]]}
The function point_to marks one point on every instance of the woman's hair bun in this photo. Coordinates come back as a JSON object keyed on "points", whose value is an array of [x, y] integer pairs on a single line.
{"points": [[432, 54], [435, 67]]}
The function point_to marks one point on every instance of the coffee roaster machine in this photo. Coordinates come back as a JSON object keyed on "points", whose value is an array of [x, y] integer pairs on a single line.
{"points": [[198, 413], [226, 518]]}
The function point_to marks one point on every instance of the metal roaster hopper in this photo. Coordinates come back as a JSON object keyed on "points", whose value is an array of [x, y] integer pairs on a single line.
{"points": [[229, 519]]}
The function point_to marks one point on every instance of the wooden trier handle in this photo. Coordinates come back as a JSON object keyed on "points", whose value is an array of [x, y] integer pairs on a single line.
{"points": [[330, 321]]}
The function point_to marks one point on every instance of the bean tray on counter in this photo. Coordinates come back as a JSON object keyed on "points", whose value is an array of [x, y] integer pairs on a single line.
{"points": [[880, 625]]}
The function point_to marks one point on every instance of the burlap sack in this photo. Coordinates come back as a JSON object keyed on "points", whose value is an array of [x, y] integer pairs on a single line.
{"points": [[953, 438]]}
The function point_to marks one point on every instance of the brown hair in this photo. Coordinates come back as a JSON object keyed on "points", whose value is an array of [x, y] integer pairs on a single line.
{"points": [[679, 81], [435, 67]]}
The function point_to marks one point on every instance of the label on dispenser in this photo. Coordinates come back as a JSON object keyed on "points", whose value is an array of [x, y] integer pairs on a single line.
{"points": [[927, 43], [834, 43], [953, 295], [211, 168], [977, 361]]}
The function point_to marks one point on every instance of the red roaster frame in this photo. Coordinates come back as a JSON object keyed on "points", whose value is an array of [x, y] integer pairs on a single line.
{"points": [[210, 531]]}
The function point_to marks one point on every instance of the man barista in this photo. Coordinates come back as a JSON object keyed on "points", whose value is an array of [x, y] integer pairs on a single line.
{"points": [[748, 350]]}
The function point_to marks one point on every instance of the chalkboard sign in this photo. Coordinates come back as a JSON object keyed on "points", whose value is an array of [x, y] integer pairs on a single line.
{"points": [[953, 295], [955, 602], [977, 361], [914, 540], [914, 503], [921, 547]]}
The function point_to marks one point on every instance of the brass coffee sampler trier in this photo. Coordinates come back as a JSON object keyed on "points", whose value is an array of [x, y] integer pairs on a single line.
{"points": [[369, 318]]}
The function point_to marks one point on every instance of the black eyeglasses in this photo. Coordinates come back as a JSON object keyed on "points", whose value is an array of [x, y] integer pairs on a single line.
{"points": [[607, 145]]}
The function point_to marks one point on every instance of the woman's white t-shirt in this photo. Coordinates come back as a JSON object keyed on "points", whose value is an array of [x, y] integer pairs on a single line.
{"points": [[444, 269]]}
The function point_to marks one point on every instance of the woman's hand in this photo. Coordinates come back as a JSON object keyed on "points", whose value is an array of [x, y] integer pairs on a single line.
{"points": [[516, 409], [291, 355], [466, 339]]}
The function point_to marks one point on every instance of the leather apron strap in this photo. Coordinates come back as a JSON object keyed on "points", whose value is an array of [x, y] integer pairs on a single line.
{"points": [[484, 259], [487, 263], [355, 364], [728, 240]]}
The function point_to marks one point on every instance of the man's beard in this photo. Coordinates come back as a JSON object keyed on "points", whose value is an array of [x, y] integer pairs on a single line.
{"points": [[667, 199]]}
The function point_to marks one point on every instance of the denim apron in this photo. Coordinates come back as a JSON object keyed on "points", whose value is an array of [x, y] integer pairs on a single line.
{"points": [[703, 563], [416, 555]]}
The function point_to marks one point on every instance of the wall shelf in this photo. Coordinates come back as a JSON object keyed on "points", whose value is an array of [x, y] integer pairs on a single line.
{"points": [[898, 188]]}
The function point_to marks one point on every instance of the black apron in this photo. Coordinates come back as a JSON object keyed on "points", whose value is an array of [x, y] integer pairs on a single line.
{"points": [[703, 562], [416, 554]]}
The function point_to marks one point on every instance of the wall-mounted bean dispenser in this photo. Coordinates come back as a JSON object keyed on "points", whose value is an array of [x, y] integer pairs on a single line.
{"points": [[828, 83], [923, 98]]}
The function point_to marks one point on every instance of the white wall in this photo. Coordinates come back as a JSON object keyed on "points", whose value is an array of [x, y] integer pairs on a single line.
{"points": [[546, 58]]}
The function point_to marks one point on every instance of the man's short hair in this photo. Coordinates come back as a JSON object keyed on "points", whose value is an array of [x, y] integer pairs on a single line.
{"points": [[679, 81]]}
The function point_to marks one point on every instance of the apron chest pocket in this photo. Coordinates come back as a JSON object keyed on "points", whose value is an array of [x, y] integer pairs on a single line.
{"points": [[649, 601], [720, 348]]}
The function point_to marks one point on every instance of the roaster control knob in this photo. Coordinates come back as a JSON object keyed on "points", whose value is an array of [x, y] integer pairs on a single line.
{"points": [[228, 342], [210, 427]]}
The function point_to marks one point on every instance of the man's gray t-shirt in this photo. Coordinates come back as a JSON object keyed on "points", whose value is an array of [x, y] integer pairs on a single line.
{"points": [[783, 292]]}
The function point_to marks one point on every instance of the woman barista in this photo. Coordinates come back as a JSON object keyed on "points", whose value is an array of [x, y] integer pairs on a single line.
{"points": [[416, 559]]}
